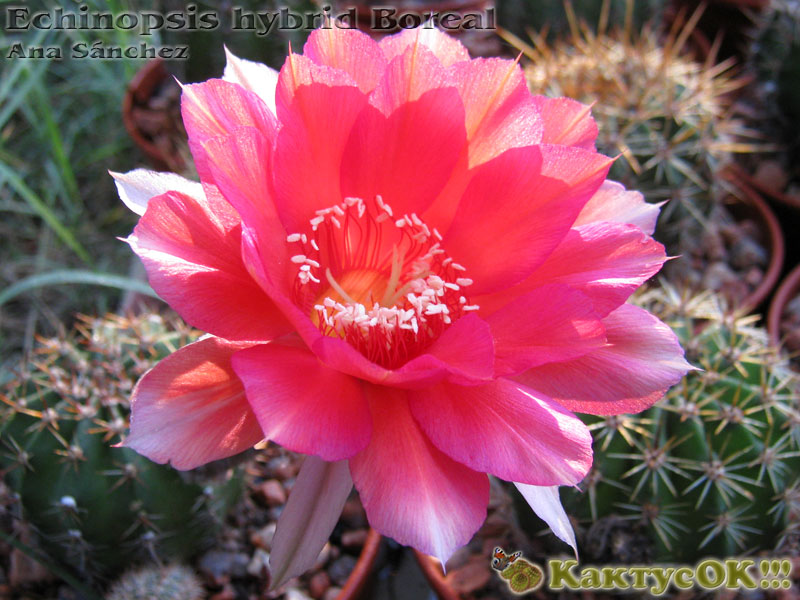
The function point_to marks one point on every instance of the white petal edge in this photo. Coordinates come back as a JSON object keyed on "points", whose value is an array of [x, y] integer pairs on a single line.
{"points": [[135, 188], [314, 506], [253, 76], [546, 503]]}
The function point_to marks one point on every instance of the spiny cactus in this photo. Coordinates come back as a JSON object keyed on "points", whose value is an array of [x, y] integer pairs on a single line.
{"points": [[668, 116], [95, 507], [174, 582], [714, 467]]}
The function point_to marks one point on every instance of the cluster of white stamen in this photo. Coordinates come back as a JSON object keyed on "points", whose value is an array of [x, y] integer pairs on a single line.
{"points": [[423, 292]]}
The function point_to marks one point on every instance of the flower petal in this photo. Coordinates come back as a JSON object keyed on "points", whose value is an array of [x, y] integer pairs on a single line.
{"points": [[192, 253], [605, 261], [315, 503], [216, 107], [567, 122], [240, 168], [507, 430], [190, 408], [407, 156], [349, 50], [549, 324], [317, 106], [407, 77], [462, 354], [252, 76], [446, 48], [135, 188], [411, 491], [500, 113], [547, 505], [613, 203], [303, 405], [536, 193], [641, 360]]}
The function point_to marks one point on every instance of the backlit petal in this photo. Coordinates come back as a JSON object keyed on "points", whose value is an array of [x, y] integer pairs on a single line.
{"points": [[135, 188], [412, 491], [547, 505], [507, 430], [566, 122], [192, 254], [613, 203], [302, 404], [549, 324], [521, 205], [447, 49], [253, 76], [349, 50], [190, 408], [640, 362]]}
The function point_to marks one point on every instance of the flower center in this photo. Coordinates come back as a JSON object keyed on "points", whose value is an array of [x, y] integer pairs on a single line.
{"points": [[383, 284]]}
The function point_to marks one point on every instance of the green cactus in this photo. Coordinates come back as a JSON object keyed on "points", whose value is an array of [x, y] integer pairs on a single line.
{"points": [[174, 582], [667, 117], [774, 57], [93, 506], [714, 467]]}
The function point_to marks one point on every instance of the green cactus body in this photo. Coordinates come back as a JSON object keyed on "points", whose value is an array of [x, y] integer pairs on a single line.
{"points": [[714, 467], [96, 507], [667, 117]]}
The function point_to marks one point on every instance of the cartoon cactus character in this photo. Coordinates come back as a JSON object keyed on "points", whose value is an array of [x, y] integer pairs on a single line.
{"points": [[713, 468], [667, 117], [522, 576], [95, 507], [173, 582]]}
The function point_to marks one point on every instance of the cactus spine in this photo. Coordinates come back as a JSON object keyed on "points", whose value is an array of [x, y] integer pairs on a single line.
{"points": [[713, 468], [95, 507]]}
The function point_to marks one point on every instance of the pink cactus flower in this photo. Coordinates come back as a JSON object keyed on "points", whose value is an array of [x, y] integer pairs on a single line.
{"points": [[412, 270]]}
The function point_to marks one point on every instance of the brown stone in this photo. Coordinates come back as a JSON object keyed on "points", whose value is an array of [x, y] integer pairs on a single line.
{"points": [[475, 574], [227, 593], [355, 539], [271, 493], [319, 584]]}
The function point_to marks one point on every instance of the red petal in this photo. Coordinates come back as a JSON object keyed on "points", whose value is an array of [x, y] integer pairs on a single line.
{"points": [[190, 408], [317, 107], [217, 107], [411, 491], [239, 164], [193, 257], [406, 157], [640, 362], [348, 50], [507, 430], [517, 209], [550, 324], [303, 405], [612, 203], [464, 353], [447, 49], [605, 261], [567, 122]]}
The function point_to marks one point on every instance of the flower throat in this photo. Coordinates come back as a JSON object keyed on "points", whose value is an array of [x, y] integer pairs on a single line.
{"points": [[383, 284]]}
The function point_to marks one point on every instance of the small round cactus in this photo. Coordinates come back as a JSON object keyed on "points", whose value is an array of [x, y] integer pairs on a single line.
{"points": [[667, 117], [714, 467], [93, 506], [173, 582]]}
